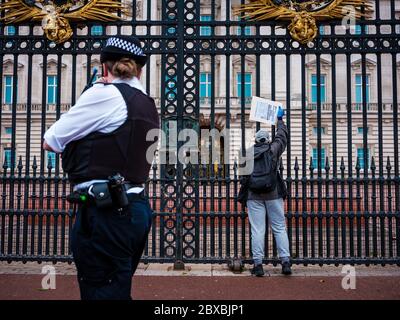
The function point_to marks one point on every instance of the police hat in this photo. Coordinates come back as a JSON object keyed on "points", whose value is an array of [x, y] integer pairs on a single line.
{"points": [[123, 46]]}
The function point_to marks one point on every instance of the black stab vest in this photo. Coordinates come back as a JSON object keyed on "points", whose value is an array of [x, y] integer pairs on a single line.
{"points": [[99, 155]]}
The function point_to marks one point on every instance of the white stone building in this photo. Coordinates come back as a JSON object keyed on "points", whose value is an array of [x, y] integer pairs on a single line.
{"points": [[74, 73]]}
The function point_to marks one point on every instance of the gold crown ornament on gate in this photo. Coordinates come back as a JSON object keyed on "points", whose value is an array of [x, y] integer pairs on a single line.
{"points": [[56, 14], [303, 14]]}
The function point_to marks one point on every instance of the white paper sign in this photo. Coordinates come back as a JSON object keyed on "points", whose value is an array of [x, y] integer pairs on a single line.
{"points": [[263, 110]]}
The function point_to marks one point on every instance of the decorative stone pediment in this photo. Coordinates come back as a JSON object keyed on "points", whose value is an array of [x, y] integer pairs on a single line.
{"points": [[52, 65], [8, 66], [356, 64]]}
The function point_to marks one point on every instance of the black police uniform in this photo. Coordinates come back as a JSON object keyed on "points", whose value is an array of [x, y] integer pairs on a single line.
{"points": [[107, 243]]}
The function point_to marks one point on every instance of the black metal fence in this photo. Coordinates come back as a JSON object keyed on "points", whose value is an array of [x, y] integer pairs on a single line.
{"points": [[344, 199]]}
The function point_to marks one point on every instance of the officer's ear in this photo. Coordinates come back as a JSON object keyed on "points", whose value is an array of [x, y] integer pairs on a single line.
{"points": [[105, 70], [139, 71]]}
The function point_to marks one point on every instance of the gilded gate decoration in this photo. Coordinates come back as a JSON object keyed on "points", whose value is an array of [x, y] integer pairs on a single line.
{"points": [[303, 15], [55, 15]]}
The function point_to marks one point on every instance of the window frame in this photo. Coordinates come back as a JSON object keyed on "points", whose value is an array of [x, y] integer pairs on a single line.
{"points": [[96, 33], [10, 86], [315, 158], [205, 30], [323, 87], [207, 83], [7, 30], [7, 150], [361, 161], [54, 86], [239, 84], [358, 86]]}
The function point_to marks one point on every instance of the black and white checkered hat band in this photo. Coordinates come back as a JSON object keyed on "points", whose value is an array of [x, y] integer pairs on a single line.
{"points": [[125, 45]]}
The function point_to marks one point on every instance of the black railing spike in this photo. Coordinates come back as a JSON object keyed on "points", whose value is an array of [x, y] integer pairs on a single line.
{"points": [[20, 166], [388, 165], [49, 165], [34, 163], [373, 166], [358, 167], [327, 167], [311, 167], [342, 166], [296, 164]]}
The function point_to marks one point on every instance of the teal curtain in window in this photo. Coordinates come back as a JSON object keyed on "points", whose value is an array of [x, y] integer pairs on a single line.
{"points": [[359, 88], [8, 89], [51, 89], [205, 85], [205, 30], [360, 155], [7, 157], [96, 30], [314, 89], [51, 159], [315, 158], [247, 84], [247, 30], [11, 31]]}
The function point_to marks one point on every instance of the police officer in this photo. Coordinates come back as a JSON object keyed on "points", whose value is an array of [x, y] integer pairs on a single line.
{"points": [[103, 143]]}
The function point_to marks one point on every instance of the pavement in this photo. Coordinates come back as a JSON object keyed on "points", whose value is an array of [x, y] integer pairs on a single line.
{"points": [[20, 281]]}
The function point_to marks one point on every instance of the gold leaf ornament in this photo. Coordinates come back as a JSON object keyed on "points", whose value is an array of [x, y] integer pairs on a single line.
{"points": [[55, 15], [303, 15]]}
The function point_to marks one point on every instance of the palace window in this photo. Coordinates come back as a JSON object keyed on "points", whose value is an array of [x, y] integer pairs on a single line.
{"points": [[10, 30], [7, 157], [360, 156], [360, 130], [359, 96], [357, 29], [8, 89], [51, 89], [247, 30], [314, 88], [205, 30], [96, 30], [205, 84], [51, 159], [315, 130], [315, 158], [247, 84]]}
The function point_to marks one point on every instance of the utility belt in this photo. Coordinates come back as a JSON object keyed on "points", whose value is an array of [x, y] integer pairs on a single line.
{"points": [[107, 194]]}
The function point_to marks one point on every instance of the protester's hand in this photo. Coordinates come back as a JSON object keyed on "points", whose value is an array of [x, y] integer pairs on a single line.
{"points": [[280, 113]]}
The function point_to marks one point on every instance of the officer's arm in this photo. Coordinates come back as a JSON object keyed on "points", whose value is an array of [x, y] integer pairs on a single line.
{"points": [[278, 145], [92, 112]]}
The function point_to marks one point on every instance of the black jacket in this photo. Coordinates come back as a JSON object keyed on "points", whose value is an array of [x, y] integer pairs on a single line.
{"points": [[277, 147]]}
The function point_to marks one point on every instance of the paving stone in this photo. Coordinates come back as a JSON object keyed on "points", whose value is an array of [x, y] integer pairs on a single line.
{"points": [[166, 269]]}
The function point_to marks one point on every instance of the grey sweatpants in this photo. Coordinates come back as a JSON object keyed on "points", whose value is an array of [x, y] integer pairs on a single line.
{"points": [[257, 210]]}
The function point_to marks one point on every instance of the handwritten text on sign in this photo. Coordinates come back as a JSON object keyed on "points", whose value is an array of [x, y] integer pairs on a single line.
{"points": [[263, 110]]}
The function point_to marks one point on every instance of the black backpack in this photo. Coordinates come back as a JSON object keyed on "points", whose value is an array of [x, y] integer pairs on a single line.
{"points": [[264, 176]]}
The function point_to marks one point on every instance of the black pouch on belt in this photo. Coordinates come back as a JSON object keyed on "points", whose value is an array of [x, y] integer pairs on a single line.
{"points": [[102, 195]]}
